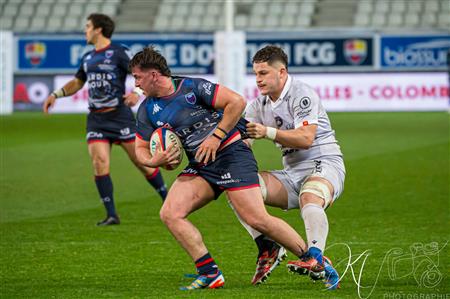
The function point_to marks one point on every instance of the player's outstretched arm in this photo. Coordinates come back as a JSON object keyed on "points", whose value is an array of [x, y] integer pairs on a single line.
{"points": [[302, 137], [68, 89]]}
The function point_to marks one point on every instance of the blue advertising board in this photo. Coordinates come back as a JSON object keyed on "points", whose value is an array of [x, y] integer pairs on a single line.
{"points": [[194, 53], [342, 53], [187, 53], [414, 52]]}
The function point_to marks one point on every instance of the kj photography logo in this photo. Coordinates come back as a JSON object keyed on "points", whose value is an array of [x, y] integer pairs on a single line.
{"points": [[420, 264]]}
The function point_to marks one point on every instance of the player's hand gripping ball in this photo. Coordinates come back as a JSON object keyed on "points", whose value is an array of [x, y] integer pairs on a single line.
{"points": [[162, 138]]}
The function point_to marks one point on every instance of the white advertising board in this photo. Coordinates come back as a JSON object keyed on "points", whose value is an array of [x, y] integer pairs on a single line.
{"points": [[339, 92]]}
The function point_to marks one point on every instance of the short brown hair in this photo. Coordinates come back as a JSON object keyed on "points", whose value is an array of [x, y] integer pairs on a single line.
{"points": [[149, 58], [270, 54], [102, 21]]}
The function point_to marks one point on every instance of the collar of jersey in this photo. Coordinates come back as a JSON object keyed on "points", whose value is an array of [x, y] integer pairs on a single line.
{"points": [[286, 88], [174, 93], [103, 49]]}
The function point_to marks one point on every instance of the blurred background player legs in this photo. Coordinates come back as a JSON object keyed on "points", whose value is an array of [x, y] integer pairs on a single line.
{"points": [[100, 152]]}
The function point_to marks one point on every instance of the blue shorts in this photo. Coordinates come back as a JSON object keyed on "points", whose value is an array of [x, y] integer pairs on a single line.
{"points": [[235, 168], [114, 126]]}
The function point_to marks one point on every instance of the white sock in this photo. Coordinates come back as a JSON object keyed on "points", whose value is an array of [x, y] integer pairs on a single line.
{"points": [[316, 225], [254, 233]]}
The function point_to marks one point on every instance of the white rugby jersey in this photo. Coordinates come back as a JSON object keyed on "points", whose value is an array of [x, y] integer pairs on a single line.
{"points": [[298, 105]]}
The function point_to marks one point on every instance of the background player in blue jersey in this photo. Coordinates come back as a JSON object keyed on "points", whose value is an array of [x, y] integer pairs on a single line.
{"points": [[207, 119], [110, 120]]}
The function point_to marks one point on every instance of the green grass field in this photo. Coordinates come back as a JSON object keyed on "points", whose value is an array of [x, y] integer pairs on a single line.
{"points": [[396, 195]]}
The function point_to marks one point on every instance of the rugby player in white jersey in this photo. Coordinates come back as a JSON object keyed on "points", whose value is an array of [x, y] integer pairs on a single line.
{"points": [[291, 114]]}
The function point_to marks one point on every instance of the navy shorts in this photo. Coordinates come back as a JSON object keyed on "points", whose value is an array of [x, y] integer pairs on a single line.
{"points": [[114, 126], [235, 168]]}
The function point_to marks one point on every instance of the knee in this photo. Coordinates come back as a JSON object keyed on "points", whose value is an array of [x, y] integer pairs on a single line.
{"points": [[308, 198], [100, 163], [168, 215], [165, 215]]}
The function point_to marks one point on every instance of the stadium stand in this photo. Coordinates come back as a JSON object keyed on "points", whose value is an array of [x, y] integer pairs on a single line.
{"points": [[202, 15]]}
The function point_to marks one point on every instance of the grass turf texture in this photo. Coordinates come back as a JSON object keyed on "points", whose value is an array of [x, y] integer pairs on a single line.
{"points": [[396, 194]]}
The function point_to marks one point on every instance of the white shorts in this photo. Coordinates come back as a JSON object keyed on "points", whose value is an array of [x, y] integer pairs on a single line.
{"points": [[331, 168]]}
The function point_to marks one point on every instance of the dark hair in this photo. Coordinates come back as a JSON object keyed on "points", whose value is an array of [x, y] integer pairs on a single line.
{"points": [[270, 54], [149, 58], [102, 21]]}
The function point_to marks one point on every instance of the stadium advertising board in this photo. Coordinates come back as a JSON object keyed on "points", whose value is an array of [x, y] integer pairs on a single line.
{"points": [[187, 53], [317, 54], [339, 92], [194, 53], [414, 52], [30, 91]]}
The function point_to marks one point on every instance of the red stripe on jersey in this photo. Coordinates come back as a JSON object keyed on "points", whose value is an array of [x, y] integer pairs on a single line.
{"points": [[243, 187], [140, 137], [97, 140], [103, 49], [215, 95], [228, 140], [188, 174]]}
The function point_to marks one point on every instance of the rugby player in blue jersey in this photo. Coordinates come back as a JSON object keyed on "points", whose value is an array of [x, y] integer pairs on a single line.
{"points": [[207, 118], [110, 119]]}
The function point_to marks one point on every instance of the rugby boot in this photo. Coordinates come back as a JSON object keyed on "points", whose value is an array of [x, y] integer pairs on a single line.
{"points": [[331, 279], [110, 220], [307, 266], [206, 281], [267, 262]]}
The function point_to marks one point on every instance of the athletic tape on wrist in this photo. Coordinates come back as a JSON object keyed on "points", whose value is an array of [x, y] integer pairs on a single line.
{"points": [[58, 93], [271, 133]]}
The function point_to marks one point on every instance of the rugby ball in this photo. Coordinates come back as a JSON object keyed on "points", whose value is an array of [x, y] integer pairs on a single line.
{"points": [[162, 138]]}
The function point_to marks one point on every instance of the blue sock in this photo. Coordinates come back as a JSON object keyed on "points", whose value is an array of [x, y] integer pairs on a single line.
{"points": [[206, 265], [105, 189], [157, 181], [316, 253]]}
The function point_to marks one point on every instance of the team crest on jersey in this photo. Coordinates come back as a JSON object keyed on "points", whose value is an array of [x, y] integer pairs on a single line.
{"points": [[109, 54], [278, 121], [305, 102], [190, 98]]}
